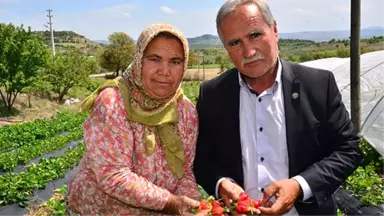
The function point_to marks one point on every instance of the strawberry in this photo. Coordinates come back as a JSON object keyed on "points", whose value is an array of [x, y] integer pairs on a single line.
{"points": [[204, 205], [256, 203], [215, 203], [217, 210], [247, 201], [243, 196], [242, 208]]}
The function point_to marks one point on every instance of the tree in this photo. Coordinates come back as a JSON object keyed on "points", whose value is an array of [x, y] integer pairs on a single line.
{"points": [[40, 87], [193, 59], [118, 54], [224, 62], [68, 70], [22, 55]]}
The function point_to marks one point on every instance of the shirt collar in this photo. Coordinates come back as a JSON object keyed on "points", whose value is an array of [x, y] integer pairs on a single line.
{"points": [[277, 81]]}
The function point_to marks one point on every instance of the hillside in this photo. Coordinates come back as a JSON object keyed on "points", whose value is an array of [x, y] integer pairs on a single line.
{"points": [[319, 36], [67, 40], [209, 41]]}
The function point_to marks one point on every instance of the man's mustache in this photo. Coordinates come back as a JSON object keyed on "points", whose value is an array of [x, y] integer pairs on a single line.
{"points": [[254, 58]]}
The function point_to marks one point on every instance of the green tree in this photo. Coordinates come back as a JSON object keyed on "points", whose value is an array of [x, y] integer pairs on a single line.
{"points": [[224, 62], [118, 54], [68, 70], [22, 55], [40, 87], [193, 59]]}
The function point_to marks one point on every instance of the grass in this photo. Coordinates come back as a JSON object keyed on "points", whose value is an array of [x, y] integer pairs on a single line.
{"points": [[76, 45], [207, 66]]}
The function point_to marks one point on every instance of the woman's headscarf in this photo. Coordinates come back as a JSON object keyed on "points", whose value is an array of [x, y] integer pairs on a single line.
{"points": [[159, 116]]}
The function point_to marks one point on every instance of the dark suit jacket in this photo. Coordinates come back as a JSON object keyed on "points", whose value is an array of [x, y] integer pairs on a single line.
{"points": [[321, 140]]}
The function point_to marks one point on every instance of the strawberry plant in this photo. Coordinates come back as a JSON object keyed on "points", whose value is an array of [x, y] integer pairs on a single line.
{"points": [[17, 188], [56, 204], [15, 136], [367, 185], [36, 148], [367, 180]]}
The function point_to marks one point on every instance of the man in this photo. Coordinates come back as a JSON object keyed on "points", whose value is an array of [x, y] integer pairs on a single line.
{"points": [[277, 130]]}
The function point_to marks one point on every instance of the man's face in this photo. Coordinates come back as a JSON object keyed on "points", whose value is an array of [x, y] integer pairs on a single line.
{"points": [[250, 42]]}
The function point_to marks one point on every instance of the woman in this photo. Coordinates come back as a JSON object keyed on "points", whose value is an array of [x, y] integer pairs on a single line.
{"points": [[140, 136]]}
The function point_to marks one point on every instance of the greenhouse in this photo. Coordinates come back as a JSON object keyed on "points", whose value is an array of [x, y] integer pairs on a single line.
{"points": [[372, 92]]}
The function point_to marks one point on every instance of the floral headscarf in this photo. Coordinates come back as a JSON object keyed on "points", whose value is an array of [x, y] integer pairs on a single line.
{"points": [[159, 116]]}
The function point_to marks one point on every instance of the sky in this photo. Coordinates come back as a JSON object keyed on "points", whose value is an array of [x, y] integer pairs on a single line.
{"points": [[99, 18]]}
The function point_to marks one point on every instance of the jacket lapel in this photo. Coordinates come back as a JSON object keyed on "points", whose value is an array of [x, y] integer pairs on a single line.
{"points": [[232, 92], [291, 92]]}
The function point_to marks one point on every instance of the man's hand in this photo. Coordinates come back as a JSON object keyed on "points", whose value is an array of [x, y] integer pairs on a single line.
{"points": [[286, 192], [230, 192]]}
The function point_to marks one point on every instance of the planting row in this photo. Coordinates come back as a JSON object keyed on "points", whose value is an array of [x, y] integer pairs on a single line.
{"points": [[10, 160], [17, 188], [14, 136]]}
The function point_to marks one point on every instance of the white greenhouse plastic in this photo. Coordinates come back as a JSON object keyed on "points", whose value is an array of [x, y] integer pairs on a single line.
{"points": [[372, 92]]}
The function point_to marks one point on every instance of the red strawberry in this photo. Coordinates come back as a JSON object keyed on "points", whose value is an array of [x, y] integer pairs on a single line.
{"points": [[242, 208], [256, 203], [204, 205], [243, 196], [217, 210], [215, 203], [247, 201]]}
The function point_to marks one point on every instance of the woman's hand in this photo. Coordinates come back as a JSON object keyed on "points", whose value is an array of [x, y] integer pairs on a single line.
{"points": [[181, 205]]}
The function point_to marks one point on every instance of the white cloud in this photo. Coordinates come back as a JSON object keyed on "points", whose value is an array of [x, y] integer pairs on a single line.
{"points": [[167, 10], [114, 11]]}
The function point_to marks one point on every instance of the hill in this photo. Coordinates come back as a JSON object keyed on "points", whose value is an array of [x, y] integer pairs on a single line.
{"points": [[67, 40], [209, 41], [319, 36], [205, 41]]}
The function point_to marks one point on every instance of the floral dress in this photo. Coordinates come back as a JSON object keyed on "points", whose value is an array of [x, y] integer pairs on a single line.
{"points": [[115, 176]]}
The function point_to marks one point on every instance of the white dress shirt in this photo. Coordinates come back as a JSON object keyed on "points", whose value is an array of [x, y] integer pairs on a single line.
{"points": [[263, 140]]}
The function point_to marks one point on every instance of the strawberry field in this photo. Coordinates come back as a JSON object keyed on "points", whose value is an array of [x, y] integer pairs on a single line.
{"points": [[36, 153], [38, 158]]}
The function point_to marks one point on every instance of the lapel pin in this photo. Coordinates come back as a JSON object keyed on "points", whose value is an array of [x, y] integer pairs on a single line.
{"points": [[295, 95]]}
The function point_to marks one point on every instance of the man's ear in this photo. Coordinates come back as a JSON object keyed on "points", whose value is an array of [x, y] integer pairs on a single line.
{"points": [[275, 30]]}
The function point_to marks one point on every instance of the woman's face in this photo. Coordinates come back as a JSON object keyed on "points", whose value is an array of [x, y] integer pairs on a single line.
{"points": [[162, 66]]}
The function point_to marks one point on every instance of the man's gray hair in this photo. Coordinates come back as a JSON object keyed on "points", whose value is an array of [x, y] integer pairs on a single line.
{"points": [[230, 5]]}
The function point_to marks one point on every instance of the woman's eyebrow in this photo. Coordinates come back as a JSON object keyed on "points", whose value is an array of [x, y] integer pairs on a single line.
{"points": [[153, 55], [177, 58]]}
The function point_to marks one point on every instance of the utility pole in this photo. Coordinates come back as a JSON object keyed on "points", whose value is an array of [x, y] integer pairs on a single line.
{"points": [[355, 64], [51, 29]]}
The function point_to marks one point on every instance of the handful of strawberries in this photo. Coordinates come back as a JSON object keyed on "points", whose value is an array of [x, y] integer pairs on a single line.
{"points": [[245, 205]]}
